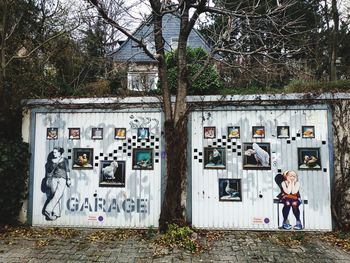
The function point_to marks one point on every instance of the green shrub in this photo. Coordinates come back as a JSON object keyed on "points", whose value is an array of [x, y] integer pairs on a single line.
{"points": [[14, 159], [299, 86], [151, 232], [181, 237], [208, 81]]}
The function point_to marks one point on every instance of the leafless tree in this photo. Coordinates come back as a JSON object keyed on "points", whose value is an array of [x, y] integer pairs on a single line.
{"points": [[250, 28]]}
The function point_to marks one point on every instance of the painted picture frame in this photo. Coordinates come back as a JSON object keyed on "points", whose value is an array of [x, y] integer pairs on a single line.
{"points": [[230, 190], [257, 156], [309, 159], [233, 132], [83, 158], [74, 133], [120, 133], [112, 174], [308, 131], [283, 132], [214, 158], [142, 159], [209, 132], [52, 133], [142, 133], [97, 133], [258, 132]]}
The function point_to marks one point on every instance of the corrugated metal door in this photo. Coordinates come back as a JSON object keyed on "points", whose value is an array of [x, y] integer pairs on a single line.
{"points": [[130, 197], [237, 190]]}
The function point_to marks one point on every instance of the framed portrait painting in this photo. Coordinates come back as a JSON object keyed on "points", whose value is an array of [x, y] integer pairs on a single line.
{"points": [[309, 159], [97, 133], [257, 156], [74, 133], [120, 133], [214, 158], [230, 190], [83, 158], [112, 174], [258, 131], [283, 132], [209, 132], [142, 159], [52, 133], [143, 133], [233, 132], [308, 131]]}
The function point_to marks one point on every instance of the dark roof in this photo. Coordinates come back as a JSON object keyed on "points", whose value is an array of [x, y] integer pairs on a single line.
{"points": [[129, 51]]}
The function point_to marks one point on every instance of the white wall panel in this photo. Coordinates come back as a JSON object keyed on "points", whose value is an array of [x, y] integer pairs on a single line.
{"points": [[86, 203], [257, 209]]}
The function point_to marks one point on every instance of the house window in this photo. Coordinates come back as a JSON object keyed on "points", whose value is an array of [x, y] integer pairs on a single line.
{"points": [[151, 47], [142, 81], [174, 42]]}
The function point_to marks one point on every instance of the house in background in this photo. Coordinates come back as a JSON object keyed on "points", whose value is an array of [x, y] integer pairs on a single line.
{"points": [[141, 70]]}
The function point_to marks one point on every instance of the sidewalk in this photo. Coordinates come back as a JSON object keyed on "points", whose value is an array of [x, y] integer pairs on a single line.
{"points": [[95, 245]]}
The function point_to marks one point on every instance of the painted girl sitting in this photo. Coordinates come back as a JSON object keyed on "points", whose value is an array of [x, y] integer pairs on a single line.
{"points": [[291, 198]]}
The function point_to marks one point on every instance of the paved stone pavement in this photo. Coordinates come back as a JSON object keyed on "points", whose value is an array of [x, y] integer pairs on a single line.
{"points": [[93, 245]]}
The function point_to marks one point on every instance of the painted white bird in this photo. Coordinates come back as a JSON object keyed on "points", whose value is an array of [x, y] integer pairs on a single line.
{"points": [[109, 171], [261, 156], [215, 157], [230, 191]]}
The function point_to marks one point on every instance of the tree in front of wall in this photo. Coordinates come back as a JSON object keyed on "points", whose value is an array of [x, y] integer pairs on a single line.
{"points": [[276, 23]]}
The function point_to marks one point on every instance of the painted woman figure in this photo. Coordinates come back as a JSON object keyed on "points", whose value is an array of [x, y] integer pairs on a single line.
{"points": [[291, 198], [56, 181]]}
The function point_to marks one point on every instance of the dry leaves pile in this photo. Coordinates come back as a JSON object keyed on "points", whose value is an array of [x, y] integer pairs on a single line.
{"points": [[112, 235], [195, 241], [340, 239], [289, 239], [31, 232]]}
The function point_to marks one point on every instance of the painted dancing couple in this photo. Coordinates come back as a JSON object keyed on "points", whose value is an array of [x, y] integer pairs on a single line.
{"points": [[57, 178]]}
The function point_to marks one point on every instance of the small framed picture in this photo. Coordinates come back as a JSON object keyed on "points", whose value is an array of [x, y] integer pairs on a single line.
{"points": [[74, 133], [233, 132], [230, 190], [52, 133], [257, 156], [283, 132], [83, 158], [112, 174], [142, 159], [143, 133], [120, 133], [210, 132], [258, 132], [308, 131], [309, 159], [214, 158], [97, 133]]}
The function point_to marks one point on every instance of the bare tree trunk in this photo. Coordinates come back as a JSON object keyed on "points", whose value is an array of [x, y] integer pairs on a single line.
{"points": [[334, 42], [176, 142], [341, 186], [3, 54], [176, 139]]}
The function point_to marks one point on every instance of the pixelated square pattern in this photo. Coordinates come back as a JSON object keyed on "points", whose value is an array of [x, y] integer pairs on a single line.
{"points": [[123, 149], [233, 147]]}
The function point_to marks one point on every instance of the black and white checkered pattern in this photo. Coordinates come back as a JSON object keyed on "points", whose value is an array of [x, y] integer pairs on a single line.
{"points": [[125, 147]]}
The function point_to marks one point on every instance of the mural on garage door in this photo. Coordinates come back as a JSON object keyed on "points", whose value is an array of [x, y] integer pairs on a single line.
{"points": [[97, 169], [271, 167]]}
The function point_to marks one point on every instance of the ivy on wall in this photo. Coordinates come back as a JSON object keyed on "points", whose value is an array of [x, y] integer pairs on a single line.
{"points": [[14, 164], [341, 186]]}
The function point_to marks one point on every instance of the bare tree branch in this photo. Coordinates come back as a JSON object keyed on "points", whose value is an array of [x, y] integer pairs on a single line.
{"points": [[113, 23]]}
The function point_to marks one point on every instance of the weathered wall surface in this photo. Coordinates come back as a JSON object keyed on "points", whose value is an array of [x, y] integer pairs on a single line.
{"points": [[240, 188]]}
